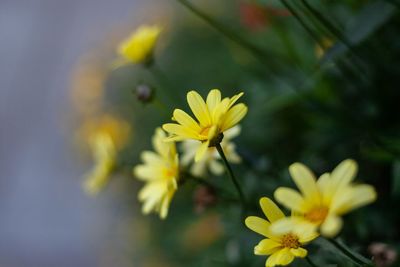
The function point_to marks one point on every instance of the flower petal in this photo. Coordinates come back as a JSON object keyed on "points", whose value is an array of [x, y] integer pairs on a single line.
{"points": [[233, 116], [199, 108], [266, 247], [180, 130], [305, 181], [281, 257], [270, 209], [213, 99], [331, 226], [184, 119], [355, 197], [344, 173], [201, 151], [299, 252], [258, 225], [290, 199]]}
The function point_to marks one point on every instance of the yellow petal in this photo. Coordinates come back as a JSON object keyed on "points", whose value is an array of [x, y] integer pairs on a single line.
{"points": [[213, 99], [331, 226], [305, 181], [184, 119], [235, 98], [150, 157], [233, 116], [355, 197], [158, 143], [270, 209], [344, 173], [199, 108], [201, 151], [258, 225], [290, 199], [266, 247], [180, 130], [281, 257], [299, 252]]}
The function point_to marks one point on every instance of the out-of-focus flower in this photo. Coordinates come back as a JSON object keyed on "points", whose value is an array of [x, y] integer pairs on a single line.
{"points": [[323, 202], [203, 197], [202, 233], [160, 171], [320, 49], [282, 248], [211, 158], [214, 117], [105, 135], [383, 255], [256, 16], [104, 153], [139, 47]]}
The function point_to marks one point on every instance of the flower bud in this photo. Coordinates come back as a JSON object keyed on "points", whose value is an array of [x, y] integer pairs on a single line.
{"points": [[144, 93], [383, 255]]}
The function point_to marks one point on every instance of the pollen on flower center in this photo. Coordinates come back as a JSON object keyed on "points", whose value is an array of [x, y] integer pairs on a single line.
{"points": [[290, 241], [204, 131], [317, 214]]}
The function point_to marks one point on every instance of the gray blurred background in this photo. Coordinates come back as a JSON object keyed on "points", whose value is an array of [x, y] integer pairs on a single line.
{"points": [[45, 219]]}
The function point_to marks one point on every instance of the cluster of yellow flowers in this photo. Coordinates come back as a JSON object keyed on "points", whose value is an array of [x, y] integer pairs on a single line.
{"points": [[316, 211]]}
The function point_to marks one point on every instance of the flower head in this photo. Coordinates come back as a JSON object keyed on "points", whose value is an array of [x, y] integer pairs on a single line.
{"points": [[161, 174], [214, 116], [281, 247], [322, 202], [211, 159], [138, 48]]}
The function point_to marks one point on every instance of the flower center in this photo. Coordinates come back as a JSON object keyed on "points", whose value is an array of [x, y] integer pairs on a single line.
{"points": [[290, 241], [205, 131], [317, 214], [169, 172]]}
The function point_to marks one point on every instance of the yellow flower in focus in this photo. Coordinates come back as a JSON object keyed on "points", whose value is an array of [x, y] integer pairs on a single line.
{"points": [[282, 248], [323, 202], [104, 153], [160, 171], [138, 48], [214, 117], [211, 160]]}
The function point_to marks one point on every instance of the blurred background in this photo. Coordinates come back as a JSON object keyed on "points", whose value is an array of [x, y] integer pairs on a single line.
{"points": [[321, 87]]}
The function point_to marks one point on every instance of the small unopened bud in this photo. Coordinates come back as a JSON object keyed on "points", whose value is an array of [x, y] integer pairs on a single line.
{"points": [[144, 93], [383, 255], [204, 197]]}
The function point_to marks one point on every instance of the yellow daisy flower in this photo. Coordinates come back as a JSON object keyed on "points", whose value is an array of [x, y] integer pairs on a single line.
{"points": [[104, 153], [282, 248], [160, 171], [211, 160], [322, 202], [214, 117], [138, 48]]}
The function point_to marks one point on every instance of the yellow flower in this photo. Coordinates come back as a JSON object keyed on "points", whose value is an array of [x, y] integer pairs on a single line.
{"points": [[282, 248], [211, 158], [160, 172], [214, 117], [138, 48], [322, 202], [104, 153]]}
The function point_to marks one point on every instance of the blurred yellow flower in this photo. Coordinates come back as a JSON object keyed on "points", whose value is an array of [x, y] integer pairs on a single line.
{"points": [[211, 160], [322, 202], [105, 136], [138, 48], [104, 153], [282, 248], [160, 171], [214, 117]]}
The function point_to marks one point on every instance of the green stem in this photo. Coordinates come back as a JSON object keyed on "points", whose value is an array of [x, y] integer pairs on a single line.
{"points": [[233, 36], [232, 176], [355, 257], [310, 262]]}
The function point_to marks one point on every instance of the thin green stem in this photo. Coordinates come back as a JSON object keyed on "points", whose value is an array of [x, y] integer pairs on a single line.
{"points": [[310, 262], [233, 36], [353, 256], [232, 176]]}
